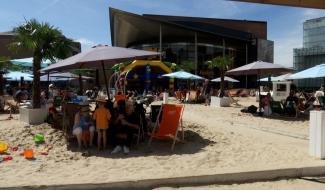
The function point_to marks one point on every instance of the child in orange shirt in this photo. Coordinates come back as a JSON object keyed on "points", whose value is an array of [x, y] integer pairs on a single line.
{"points": [[102, 117]]}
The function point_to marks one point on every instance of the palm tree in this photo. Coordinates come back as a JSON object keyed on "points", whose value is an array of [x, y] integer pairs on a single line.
{"points": [[46, 42], [4, 63], [222, 63]]}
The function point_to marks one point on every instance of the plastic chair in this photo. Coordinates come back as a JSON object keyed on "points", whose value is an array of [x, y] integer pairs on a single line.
{"points": [[169, 124], [277, 107]]}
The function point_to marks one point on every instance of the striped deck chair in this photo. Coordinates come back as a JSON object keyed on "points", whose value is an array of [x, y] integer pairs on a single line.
{"points": [[169, 124]]}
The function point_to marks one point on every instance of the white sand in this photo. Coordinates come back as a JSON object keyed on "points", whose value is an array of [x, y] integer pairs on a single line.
{"points": [[216, 143]]}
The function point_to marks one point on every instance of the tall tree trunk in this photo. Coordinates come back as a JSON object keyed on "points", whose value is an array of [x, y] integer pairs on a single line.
{"points": [[222, 83], [36, 81]]}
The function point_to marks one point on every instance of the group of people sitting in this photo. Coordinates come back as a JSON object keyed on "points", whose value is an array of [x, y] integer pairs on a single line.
{"points": [[115, 124], [290, 107]]}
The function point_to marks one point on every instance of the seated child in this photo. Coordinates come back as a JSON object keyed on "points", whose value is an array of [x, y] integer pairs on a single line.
{"points": [[83, 127], [102, 117]]}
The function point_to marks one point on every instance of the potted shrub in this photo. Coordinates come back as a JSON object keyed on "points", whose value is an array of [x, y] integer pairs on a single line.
{"points": [[222, 63], [46, 42]]}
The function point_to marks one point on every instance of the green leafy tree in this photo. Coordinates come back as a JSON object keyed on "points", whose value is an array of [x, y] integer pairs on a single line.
{"points": [[46, 42], [4, 64], [222, 63], [187, 65]]}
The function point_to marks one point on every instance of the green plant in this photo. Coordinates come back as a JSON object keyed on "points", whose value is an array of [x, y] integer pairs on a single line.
{"points": [[222, 63], [46, 42], [187, 65]]}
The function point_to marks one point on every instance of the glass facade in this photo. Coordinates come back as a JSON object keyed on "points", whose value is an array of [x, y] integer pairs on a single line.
{"points": [[183, 54], [305, 58], [314, 33], [312, 53]]}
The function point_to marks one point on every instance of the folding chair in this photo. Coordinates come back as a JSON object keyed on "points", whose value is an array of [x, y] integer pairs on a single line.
{"points": [[155, 113], [169, 124]]}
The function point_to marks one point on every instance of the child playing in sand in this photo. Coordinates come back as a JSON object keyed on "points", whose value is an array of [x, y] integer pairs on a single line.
{"points": [[102, 117]]}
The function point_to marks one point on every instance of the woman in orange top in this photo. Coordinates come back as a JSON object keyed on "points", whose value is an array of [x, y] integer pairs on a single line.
{"points": [[102, 117]]}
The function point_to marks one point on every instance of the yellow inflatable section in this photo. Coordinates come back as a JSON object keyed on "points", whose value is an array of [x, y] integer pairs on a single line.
{"points": [[153, 63]]}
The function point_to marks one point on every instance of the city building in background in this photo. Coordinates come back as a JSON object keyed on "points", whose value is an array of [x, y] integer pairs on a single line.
{"points": [[191, 41], [313, 51]]}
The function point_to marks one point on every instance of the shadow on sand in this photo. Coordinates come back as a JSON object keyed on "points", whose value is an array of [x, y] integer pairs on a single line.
{"points": [[192, 144]]}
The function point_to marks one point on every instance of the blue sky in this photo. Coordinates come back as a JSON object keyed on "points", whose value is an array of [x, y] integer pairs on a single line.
{"points": [[87, 20]]}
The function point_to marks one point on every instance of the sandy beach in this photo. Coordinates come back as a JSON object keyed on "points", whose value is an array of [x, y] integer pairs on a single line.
{"points": [[218, 140]]}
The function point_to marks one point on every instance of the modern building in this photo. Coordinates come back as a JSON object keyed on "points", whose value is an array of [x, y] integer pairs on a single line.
{"points": [[318, 4], [313, 51], [191, 41]]}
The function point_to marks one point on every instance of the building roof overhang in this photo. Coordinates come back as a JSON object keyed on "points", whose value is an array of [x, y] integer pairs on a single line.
{"points": [[132, 27], [318, 4]]}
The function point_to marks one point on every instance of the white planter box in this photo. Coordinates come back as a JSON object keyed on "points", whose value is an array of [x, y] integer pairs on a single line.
{"points": [[33, 116], [317, 134], [220, 102], [165, 98]]}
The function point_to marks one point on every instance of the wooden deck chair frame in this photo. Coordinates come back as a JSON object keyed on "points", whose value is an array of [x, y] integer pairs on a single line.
{"points": [[140, 131], [180, 124], [13, 107]]}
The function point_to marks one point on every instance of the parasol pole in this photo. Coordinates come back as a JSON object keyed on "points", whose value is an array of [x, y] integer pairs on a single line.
{"points": [[259, 93], [80, 85], [47, 86], [105, 78]]}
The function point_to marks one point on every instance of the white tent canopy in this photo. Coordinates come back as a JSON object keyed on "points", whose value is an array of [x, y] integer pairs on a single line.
{"points": [[17, 75], [228, 79], [278, 78]]}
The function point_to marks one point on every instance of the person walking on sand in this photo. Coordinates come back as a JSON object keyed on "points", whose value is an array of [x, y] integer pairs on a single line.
{"points": [[102, 117], [206, 92]]}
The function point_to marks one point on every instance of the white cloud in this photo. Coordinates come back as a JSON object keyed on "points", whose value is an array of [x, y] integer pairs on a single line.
{"points": [[86, 43], [48, 6], [312, 13]]}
